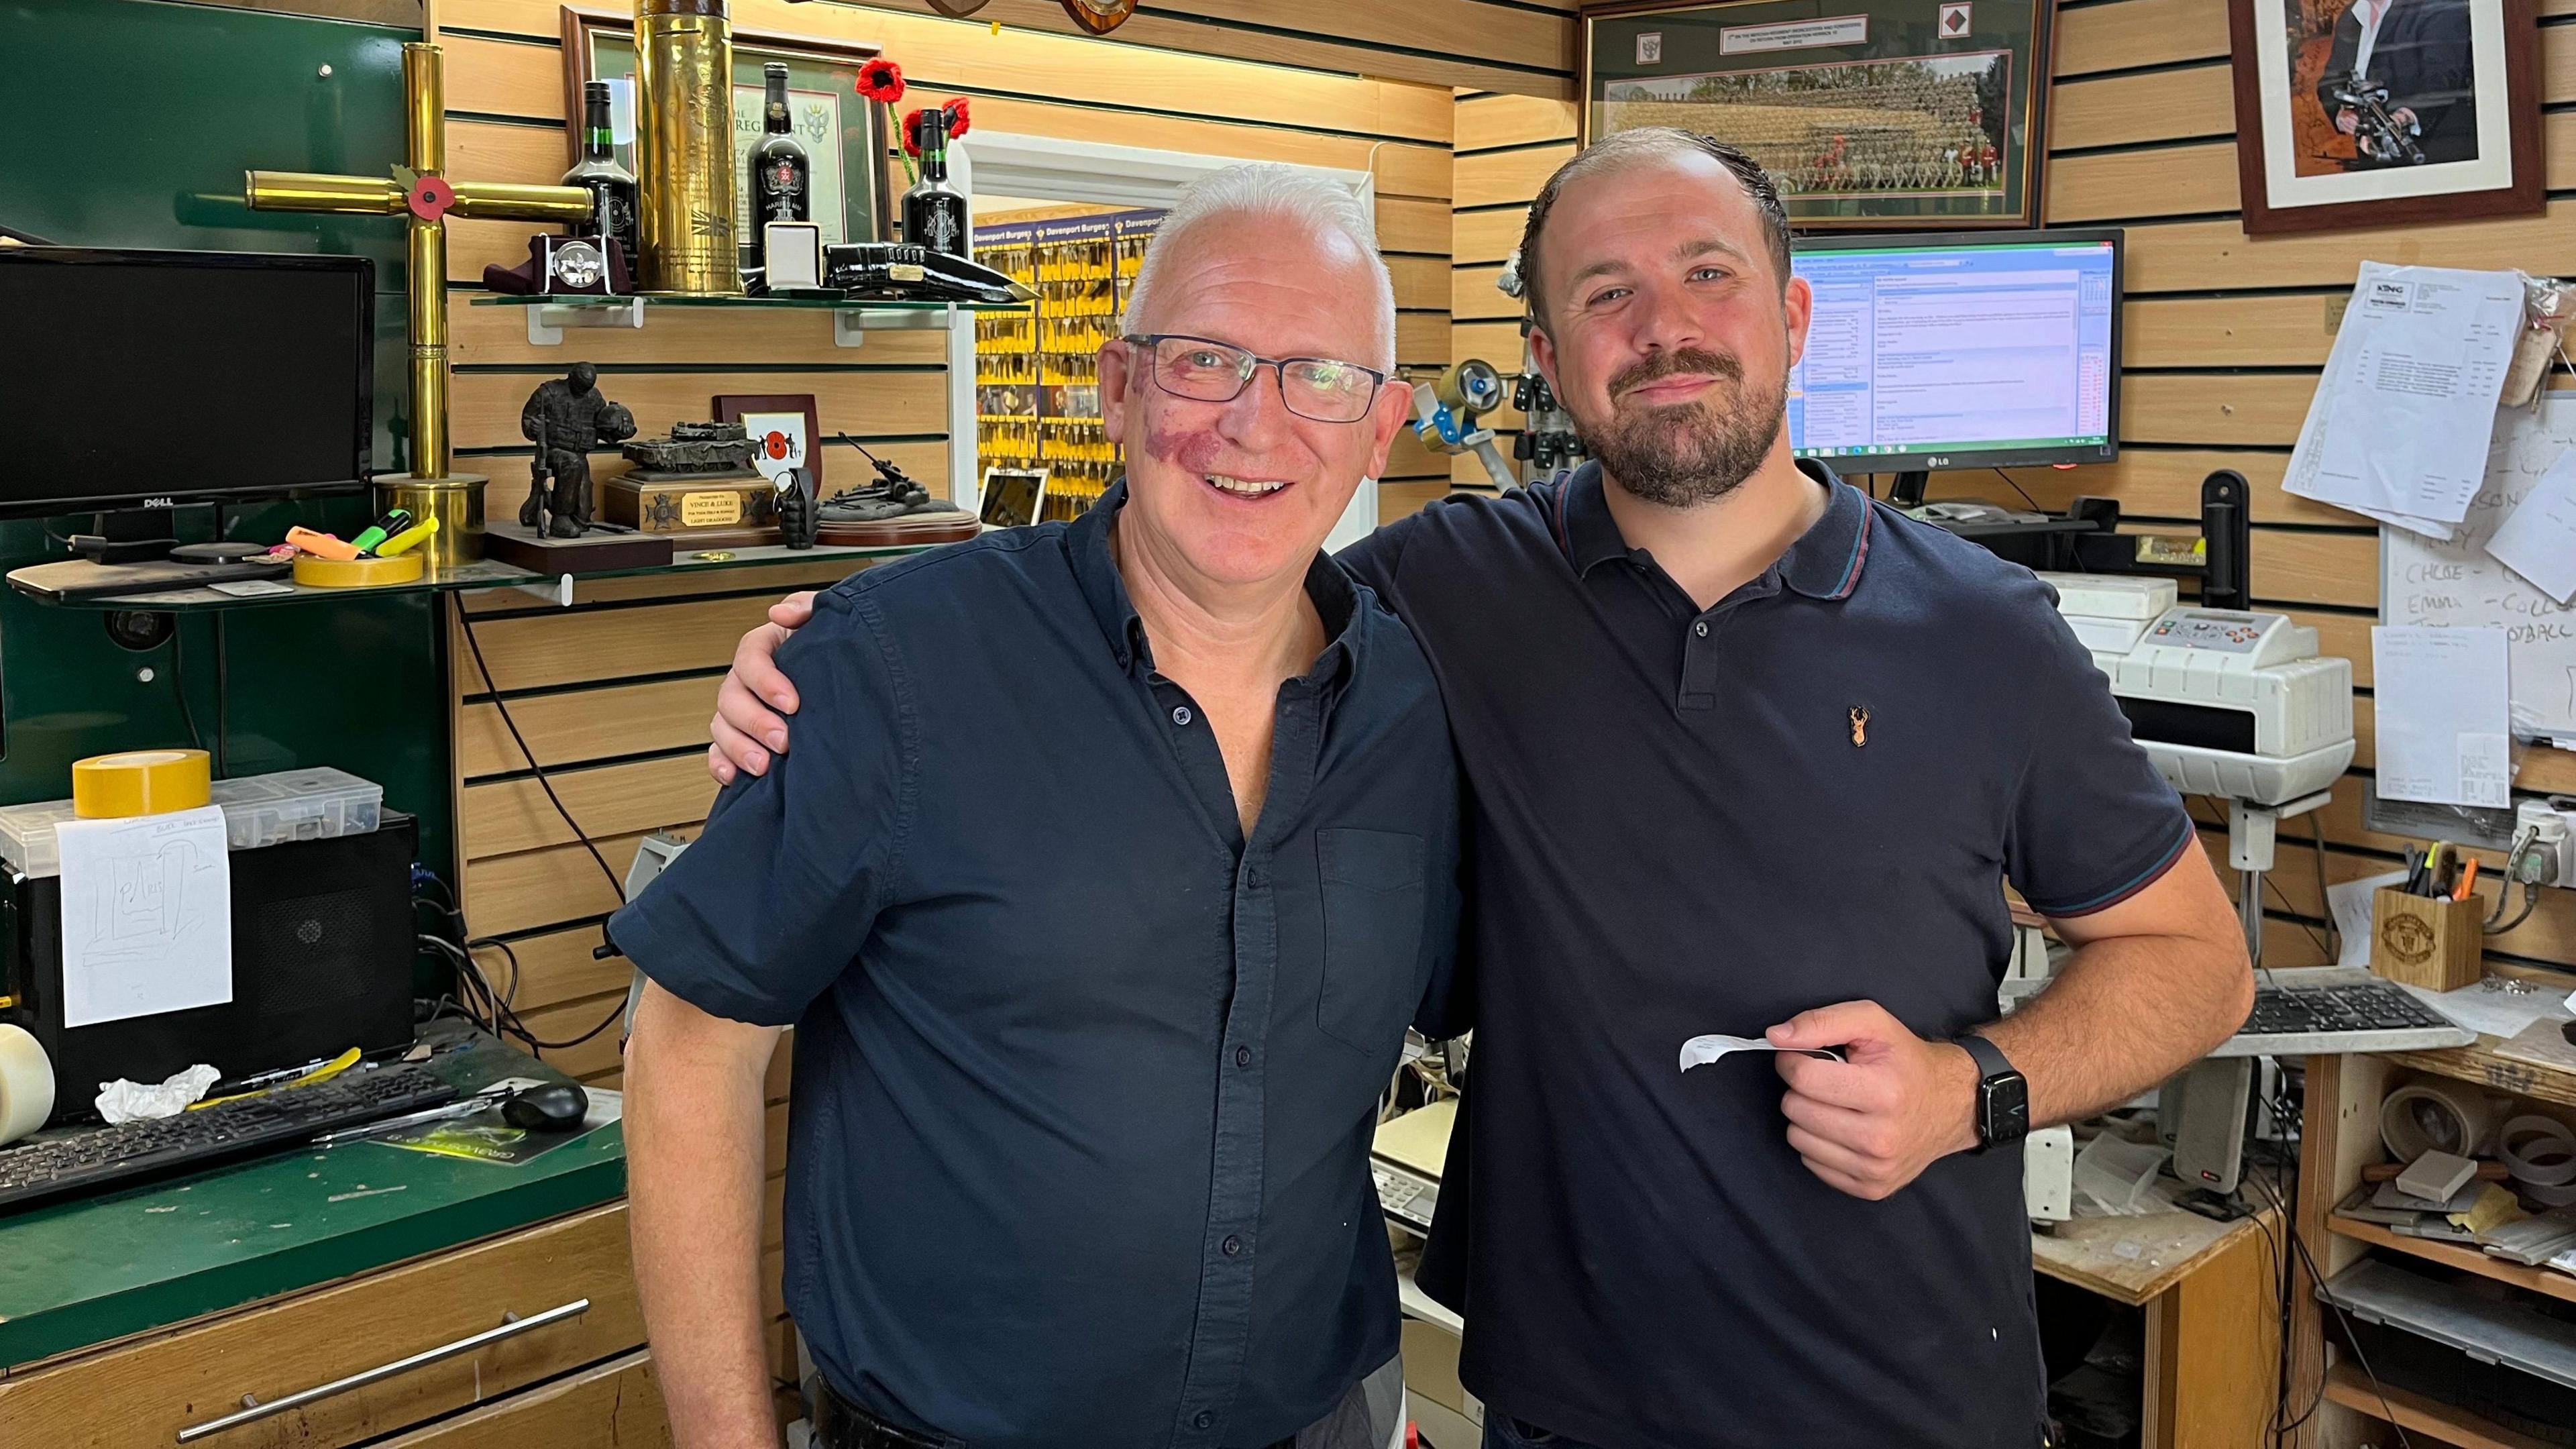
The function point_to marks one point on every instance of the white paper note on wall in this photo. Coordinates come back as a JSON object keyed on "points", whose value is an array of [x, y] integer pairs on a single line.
{"points": [[147, 915], [2538, 538], [2400, 421], [2444, 710]]}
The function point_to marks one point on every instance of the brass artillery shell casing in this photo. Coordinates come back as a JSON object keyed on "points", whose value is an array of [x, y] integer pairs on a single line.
{"points": [[684, 147]]}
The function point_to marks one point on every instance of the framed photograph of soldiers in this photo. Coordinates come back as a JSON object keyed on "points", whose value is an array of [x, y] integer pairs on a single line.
{"points": [[1868, 114], [2366, 113]]}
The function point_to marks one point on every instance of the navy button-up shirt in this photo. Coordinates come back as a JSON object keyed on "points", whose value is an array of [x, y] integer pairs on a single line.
{"points": [[1085, 1080], [1695, 820]]}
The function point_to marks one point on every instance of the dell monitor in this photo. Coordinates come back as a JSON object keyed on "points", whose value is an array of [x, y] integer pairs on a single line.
{"points": [[145, 379], [1959, 350]]}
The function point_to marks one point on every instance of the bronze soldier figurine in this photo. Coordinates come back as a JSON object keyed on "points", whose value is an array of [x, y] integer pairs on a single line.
{"points": [[566, 418]]}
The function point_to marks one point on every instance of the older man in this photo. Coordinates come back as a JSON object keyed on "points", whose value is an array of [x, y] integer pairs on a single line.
{"points": [[1750, 752], [1118, 857]]}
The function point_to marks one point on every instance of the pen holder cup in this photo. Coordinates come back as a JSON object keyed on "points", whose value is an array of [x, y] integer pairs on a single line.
{"points": [[2424, 941]]}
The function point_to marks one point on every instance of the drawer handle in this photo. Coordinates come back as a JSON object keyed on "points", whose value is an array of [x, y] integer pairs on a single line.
{"points": [[381, 1372]]}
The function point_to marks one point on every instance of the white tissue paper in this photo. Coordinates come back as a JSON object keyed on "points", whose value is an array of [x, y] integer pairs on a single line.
{"points": [[124, 1101]]}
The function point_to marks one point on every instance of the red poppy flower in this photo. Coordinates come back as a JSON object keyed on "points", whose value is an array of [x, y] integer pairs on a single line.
{"points": [[911, 129], [881, 80], [957, 118]]}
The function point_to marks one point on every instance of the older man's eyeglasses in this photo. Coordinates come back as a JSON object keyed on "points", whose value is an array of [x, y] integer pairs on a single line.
{"points": [[1205, 370]]}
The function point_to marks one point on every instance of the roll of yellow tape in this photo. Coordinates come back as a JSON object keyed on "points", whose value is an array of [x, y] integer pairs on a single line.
{"points": [[139, 782], [359, 573], [26, 1083]]}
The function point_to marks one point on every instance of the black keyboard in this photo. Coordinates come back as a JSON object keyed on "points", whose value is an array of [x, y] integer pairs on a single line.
{"points": [[2311, 1010], [124, 1155]]}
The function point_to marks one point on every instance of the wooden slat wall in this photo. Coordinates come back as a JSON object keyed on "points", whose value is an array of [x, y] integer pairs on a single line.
{"points": [[2224, 339]]}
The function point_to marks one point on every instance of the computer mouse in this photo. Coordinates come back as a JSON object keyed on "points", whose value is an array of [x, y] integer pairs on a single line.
{"points": [[552, 1107]]}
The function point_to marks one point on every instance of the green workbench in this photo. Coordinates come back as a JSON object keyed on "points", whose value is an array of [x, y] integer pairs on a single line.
{"points": [[87, 1271]]}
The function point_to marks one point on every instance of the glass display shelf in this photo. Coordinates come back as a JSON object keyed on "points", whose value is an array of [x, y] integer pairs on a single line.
{"points": [[493, 574], [852, 318]]}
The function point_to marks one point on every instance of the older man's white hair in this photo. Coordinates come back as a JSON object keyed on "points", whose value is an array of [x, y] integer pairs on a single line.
{"points": [[1325, 210]]}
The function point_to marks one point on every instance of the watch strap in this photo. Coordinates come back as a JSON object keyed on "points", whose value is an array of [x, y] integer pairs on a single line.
{"points": [[1990, 1059]]}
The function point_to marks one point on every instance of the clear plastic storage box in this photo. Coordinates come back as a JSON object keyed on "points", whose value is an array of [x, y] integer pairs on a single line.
{"points": [[313, 804]]}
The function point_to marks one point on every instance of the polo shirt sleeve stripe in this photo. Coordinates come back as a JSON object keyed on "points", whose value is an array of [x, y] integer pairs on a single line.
{"points": [[2107, 899]]}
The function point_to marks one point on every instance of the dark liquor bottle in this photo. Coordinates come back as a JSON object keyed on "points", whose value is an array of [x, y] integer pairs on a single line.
{"points": [[781, 172], [934, 213], [611, 186]]}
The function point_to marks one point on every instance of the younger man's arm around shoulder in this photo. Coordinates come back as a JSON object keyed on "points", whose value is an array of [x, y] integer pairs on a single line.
{"points": [[753, 922], [2099, 844]]}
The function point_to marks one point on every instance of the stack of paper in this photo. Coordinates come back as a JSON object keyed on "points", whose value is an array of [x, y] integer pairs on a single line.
{"points": [[2398, 430], [2444, 715]]}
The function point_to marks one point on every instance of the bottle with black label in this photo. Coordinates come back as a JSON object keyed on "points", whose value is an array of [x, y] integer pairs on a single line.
{"points": [[611, 186], [781, 172], [934, 213]]}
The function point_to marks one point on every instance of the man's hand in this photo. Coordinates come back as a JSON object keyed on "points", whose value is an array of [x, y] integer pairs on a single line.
{"points": [[1870, 1125], [2347, 120], [745, 728], [2405, 117]]}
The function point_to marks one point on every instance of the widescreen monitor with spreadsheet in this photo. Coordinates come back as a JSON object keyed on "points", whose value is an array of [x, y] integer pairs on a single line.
{"points": [[1959, 350]]}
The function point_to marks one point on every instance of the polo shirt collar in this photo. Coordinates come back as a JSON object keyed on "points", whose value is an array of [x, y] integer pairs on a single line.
{"points": [[1335, 594], [1824, 563]]}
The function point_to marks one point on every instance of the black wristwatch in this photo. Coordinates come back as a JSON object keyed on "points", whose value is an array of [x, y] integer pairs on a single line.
{"points": [[2003, 1097]]}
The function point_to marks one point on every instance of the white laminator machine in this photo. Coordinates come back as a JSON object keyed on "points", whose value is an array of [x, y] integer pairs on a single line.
{"points": [[2228, 702]]}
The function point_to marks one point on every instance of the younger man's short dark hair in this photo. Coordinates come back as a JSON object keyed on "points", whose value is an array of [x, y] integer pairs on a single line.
{"points": [[1635, 145]]}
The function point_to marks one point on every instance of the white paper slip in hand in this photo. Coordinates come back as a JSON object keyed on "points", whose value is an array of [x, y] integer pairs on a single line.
{"points": [[1699, 1051]]}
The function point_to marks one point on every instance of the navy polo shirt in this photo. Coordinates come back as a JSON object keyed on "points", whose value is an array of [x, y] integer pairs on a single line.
{"points": [[1690, 821], [1085, 1080]]}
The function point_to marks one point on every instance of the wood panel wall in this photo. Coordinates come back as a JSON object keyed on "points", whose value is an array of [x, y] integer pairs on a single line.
{"points": [[2225, 336]]}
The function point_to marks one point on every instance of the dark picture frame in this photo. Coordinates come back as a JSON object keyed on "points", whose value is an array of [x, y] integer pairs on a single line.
{"points": [[733, 407], [1870, 115], [814, 65], [2283, 52]]}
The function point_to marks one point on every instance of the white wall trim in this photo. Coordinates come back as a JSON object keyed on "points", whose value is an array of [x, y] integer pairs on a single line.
{"points": [[1049, 169]]}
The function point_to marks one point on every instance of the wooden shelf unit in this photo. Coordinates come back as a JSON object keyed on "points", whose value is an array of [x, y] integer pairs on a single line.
{"points": [[2546, 1281], [2349, 1386]]}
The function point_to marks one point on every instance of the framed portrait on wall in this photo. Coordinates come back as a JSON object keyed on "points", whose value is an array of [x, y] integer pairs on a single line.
{"points": [[844, 136], [1867, 114], [2385, 112]]}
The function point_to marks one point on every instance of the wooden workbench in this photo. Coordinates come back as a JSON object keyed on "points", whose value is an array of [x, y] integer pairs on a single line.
{"points": [[2213, 1320]]}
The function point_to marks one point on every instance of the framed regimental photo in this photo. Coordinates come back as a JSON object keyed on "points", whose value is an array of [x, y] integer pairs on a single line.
{"points": [[2385, 112], [844, 136], [1868, 114], [785, 431]]}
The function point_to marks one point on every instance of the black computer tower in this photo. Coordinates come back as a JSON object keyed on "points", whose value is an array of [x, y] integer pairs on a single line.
{"points": [[323, 941]]}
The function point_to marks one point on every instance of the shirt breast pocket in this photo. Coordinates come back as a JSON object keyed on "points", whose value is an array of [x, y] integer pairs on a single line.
{"points": [[1373, 904]]}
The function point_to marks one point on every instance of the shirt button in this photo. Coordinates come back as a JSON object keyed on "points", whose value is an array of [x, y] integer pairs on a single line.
{"points": [[1243, 1056], [1255, 879], [1203, 1420], [1700, 628], [1181, 714], [1232, 1245]]}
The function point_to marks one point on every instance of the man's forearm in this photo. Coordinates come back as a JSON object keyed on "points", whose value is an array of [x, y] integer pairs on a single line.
{"points": [[694, 1166], [2122, 1016]]}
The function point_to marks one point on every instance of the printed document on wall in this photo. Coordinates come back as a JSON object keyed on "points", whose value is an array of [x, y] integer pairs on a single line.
{"points": [[2399, 426], [147, 915], [2444, 708], [2538, 538]]}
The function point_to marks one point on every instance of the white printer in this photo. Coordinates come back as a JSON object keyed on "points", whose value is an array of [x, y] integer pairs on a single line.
{"points": [[2227, 702]]}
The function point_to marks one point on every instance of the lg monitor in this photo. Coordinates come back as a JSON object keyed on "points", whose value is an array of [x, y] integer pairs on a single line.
{"points": [[144, 379], [1959, 350]]}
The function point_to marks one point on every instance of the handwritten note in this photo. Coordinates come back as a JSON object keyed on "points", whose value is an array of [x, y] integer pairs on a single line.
{"points": [[2538, 538], [2444, 709], [147, 915]]}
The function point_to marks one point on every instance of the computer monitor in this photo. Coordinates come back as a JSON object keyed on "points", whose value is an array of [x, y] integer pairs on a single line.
{"points": [[1959, 350], [144, 379]]}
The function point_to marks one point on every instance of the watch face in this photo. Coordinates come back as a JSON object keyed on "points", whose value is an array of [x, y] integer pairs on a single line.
{"points": [[2006, 1100], [578, 266]]}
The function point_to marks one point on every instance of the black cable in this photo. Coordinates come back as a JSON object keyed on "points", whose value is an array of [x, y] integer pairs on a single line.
{"points": [[508, 1020], [466, 623], [2380, 1390], [179, 683], [2334, 931], [2017, 488]]}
